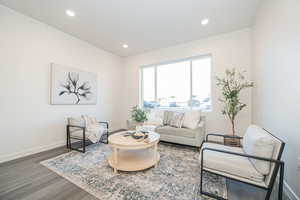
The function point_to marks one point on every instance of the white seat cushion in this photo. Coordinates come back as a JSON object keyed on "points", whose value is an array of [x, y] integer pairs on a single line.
{"points": [[228, 163], [258, 142]]}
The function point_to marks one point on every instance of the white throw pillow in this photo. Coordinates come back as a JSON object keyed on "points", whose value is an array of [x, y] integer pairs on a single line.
{"points": [[167, 117], [177, 119], [89, 120], [155, 117], [76, 121], [258, 142], [191, 119]]}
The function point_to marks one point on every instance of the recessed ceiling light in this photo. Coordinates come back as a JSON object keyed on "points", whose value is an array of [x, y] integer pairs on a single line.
{"points": [[125, 46], [204, 21], [70, 13]]}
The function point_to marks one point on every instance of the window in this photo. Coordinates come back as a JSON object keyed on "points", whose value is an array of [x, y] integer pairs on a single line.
{"points": [[179, 84]]}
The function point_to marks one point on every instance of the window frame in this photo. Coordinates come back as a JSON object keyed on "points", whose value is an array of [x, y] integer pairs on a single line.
{"points": [[190, 59]]}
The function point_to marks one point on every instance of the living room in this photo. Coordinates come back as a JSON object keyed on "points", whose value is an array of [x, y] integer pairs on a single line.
{"points": [[163, 57]]}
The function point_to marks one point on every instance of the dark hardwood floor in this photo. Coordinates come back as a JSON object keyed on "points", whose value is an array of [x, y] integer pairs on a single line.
{"points": [[26, 179]]}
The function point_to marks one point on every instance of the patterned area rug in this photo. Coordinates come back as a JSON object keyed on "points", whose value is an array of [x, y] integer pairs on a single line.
{"points": [[177, 176]]}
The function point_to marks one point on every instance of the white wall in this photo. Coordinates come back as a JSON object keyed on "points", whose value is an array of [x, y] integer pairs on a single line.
{"points": [[228, 50], [27, 47], [276, 98]]}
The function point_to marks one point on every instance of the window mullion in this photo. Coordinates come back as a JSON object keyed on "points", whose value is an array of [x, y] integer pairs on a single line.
{"points": [[155, 84], [142, 88], [191, 80]]}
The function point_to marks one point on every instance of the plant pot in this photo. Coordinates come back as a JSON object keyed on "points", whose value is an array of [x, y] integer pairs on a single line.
{"points": [[139, 127], [232, 142]]}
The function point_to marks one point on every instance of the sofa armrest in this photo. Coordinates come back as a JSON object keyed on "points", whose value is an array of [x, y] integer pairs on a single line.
{"points": [[201, 124], [200, 133]]}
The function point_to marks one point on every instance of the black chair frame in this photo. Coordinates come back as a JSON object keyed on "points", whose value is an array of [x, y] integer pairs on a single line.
{"points": [[279, 165], [83, 139]]}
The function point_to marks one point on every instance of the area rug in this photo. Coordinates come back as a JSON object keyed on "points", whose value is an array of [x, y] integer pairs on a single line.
{"points": [[177, 176]]}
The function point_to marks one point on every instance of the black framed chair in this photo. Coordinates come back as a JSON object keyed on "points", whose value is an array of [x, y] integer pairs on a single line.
{"points": [[256, 163], [76, 130]]}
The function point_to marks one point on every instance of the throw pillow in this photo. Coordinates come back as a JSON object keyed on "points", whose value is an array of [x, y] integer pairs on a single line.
{"points": [[89, 120], [191, 119], [177, 119], [167, 117], [155, 117], [259, 143]]}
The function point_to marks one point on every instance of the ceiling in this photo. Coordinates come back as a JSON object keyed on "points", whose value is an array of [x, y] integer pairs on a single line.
{"points": [[142, 24]]}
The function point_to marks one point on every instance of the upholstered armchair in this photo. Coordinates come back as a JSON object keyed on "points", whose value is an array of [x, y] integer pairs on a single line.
{"points": [[78, 130], [256, 163]]}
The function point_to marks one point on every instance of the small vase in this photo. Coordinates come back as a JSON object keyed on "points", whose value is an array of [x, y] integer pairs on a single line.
{"points": [[139, 127]]}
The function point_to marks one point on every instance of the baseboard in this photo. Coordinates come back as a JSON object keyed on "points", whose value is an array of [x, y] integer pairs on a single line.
{"points": [[31, 151], [39, 149], [289, 192]]}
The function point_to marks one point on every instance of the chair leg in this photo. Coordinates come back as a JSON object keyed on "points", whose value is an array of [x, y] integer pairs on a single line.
{"points": [[201, 174], [70, 143], [68, 135], [280, 189], [84, 146], [201, 181], [83, 141], [269, 191]]}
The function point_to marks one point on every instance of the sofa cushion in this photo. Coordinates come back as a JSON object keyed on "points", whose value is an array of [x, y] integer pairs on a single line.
{"points": [[155, 117], [181, 132], [191, 119], [167, 117], [228, 163], [258, 142], [177, 119]]}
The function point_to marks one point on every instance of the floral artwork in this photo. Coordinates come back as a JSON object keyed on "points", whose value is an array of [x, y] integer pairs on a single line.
{"points": [[72, 86]]}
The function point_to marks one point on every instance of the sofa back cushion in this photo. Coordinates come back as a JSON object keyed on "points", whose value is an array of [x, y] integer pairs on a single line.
{"points": [[177, 119], [258, 142], [155, 117], [191, 119], [167, 117]]}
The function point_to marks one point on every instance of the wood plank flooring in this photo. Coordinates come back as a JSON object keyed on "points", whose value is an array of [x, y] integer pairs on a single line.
{"points": [[26, 179]]}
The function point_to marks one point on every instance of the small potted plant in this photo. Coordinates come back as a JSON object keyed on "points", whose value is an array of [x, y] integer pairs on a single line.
{"points": [[139, 116], [231, 85]]}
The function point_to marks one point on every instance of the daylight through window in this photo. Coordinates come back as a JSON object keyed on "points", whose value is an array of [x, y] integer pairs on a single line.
{"points": [[179, 84]]}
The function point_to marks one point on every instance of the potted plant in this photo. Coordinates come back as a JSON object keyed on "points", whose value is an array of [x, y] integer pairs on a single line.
{"points": [[231, 85], [139, 116]]}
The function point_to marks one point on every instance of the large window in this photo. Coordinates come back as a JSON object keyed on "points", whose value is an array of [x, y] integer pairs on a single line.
{"points": [[179, 84]]}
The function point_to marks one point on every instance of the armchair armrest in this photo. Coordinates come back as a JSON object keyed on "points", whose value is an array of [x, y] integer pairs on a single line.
{"points": [[75, 126], [106, 124], [223, 136]]}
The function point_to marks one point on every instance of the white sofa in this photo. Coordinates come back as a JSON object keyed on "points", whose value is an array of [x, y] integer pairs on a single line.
{"points": [[191, 133]]}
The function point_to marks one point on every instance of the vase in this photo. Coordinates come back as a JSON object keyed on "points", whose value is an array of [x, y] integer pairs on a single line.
{"points": [[138, 127]]}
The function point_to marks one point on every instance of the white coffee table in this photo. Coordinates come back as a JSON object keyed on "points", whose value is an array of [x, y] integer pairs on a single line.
{"points": [[131, 155]]}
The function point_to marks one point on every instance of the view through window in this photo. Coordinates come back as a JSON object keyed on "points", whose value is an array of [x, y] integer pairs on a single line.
{"points": [[179, 84]]}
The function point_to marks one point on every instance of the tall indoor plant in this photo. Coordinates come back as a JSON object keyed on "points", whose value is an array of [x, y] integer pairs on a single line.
{"points": [[231, 85]]}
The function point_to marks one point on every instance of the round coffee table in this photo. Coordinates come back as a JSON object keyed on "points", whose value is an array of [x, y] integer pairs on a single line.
{"points": [[132, 155]]}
